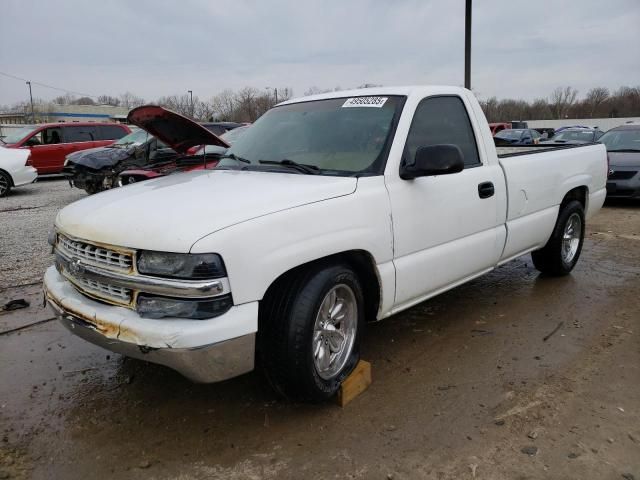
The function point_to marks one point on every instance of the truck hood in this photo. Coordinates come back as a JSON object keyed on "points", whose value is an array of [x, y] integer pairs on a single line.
{"points": [[624, 159], [171, 213], [100, 157], [177, 131]]}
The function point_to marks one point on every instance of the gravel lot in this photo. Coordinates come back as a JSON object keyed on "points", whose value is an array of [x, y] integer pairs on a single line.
{"points": [[26, 216], [465, 386]]}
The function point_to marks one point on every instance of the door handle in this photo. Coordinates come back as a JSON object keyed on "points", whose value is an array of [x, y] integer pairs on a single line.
{"points": [[486, 190]]}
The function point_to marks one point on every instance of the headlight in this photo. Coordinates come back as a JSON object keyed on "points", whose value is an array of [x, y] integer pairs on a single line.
{"points": [[181, 265], [158, 307]]}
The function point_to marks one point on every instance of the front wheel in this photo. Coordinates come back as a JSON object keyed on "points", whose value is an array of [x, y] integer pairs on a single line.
{"points": [[310, 330], [561, 253]]}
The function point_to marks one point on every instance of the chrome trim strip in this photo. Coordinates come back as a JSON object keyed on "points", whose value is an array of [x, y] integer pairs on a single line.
{"points": [[154, 285]]}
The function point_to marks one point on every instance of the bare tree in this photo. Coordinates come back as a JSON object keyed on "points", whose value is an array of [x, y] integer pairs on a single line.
{"points": [[84, 101], [562, 98], [108, 100], [66, 99], [223, 105], [129, 100], [595, 98]]}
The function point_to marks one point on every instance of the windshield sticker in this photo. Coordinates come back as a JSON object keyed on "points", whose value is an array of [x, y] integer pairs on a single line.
{"points": [[376, 102]]}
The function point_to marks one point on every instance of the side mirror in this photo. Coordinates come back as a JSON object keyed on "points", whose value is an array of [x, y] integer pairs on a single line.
{"points": [[434, 160]]}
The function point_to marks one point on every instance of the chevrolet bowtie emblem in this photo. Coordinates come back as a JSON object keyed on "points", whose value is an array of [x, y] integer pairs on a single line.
{"points": [[76, 267]]}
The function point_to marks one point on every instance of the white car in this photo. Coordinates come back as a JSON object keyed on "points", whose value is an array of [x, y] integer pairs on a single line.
{"points": [[330, 211], [15, 169]]}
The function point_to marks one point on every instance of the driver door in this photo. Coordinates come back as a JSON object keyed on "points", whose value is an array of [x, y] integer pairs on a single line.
{"points": [[446, 227]]}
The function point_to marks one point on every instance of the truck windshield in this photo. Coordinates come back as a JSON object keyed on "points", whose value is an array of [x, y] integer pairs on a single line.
{"points": [[338, 136], [17, 135]]}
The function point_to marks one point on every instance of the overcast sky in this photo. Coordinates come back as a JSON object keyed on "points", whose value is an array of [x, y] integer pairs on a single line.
{"points": [[154, 48]]}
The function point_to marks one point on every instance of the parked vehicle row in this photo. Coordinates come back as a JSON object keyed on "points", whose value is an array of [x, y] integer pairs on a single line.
{"points": [[330, 211], [50, 143]]}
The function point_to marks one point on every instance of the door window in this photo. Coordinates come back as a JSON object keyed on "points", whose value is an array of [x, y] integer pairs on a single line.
{"points": [[34, 140], [79, 134], [441, 120], [51, 136], [110, 132]]}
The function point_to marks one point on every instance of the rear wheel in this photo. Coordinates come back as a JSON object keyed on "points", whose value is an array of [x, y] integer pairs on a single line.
{"points": [[310, 329], [562, 251], [5, 184]]}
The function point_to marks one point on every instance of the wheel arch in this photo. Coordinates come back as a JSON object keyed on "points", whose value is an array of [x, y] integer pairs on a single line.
{"points": [[363, 264], [580, 193]]}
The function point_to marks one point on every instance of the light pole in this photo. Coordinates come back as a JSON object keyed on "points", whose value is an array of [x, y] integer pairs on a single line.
{"points": [[275, 92], [191, 101], [33, 115], [467, 45]]}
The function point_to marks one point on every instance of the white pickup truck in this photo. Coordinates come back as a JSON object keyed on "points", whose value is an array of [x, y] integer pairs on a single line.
{"points": [[330, 211]]}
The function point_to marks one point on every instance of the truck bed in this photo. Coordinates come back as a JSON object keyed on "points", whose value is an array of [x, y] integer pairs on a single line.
{"points": [[514, 150], [537, 179]]}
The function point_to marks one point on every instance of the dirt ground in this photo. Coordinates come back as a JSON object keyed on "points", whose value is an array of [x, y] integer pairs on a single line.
{"points": [[465, 385]]}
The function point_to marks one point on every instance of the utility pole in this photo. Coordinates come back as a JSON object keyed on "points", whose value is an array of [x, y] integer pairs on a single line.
{"points": [[191, 101], [33, 115], [275, 92], [467, 45]]}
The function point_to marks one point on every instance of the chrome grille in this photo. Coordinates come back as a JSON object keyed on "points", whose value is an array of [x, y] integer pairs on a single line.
{"points": [[95, 255], [103, 290]]}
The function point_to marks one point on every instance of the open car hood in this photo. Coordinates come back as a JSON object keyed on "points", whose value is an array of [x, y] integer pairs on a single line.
{"points": [[178, 132]]}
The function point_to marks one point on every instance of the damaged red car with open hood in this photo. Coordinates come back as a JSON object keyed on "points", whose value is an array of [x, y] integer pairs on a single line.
{"points": [[166, 142]]}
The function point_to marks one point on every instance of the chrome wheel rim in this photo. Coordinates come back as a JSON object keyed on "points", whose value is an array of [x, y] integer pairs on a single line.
{"points": [[4, 184], [571, 238], [334, 332]]}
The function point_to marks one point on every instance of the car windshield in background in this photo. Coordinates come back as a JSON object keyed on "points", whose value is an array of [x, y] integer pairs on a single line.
{"points": [[134, 138], [510, 134], [17, 135], [232, 135], [621, 140], [338, 136], [575, 135]]}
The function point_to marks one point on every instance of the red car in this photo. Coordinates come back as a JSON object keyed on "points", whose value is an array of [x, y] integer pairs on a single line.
{"points": [[50, 143], [498, 127]]}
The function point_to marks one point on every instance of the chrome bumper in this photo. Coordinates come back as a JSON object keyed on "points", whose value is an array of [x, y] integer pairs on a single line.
{"points": [[204, 364]]}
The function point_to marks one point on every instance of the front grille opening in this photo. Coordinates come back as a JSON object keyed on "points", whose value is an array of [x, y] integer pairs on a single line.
{"points": [[94, 254]]}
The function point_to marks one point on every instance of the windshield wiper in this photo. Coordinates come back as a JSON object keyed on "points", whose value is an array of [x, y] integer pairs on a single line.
{"points": [[625, 150], [301, 167], [233, 156]]}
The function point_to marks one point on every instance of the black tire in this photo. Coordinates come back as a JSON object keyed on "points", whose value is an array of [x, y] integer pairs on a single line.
{"points": [[286, 327], [550, 259], [5, 184]]}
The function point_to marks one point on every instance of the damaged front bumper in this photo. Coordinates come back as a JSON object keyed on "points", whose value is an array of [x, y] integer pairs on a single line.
{"points": [[202, 350]]}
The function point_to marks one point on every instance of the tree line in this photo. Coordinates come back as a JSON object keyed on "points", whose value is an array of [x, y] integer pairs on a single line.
{"points": [[564, 102], [248, 103]]}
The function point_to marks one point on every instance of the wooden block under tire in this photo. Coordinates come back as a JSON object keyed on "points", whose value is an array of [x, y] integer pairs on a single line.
{"points": [[356, 383]]}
